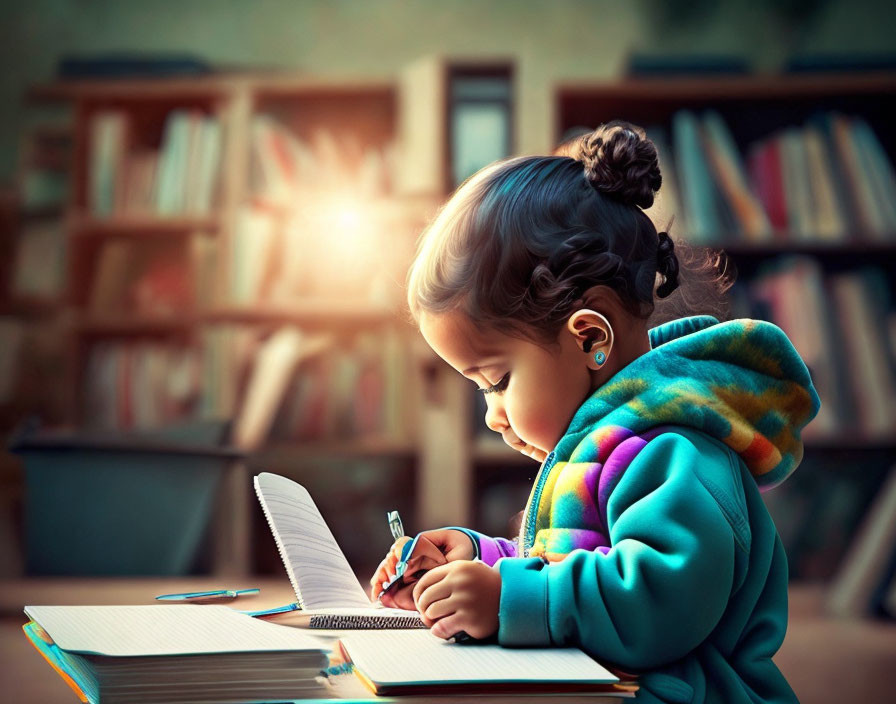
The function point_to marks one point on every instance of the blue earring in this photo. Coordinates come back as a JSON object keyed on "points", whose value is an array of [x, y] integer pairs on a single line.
{"points": [[600, 358]]}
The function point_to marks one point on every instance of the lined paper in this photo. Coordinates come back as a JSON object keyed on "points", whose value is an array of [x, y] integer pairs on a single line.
{"points": [[317, 568], [172, 629], [418, 657]]}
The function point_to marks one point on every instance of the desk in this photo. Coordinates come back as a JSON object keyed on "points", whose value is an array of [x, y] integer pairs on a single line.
{"points": [[825, 659]]}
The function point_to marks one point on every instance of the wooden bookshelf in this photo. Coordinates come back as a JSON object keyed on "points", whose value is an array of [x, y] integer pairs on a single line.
{"points": [[358, 118], [139, 226]]}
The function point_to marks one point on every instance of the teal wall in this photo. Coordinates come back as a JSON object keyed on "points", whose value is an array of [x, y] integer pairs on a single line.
{"points": [[551, 39]]}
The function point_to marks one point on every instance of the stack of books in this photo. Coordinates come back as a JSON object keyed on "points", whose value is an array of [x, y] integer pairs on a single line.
{"points": [[175, 653]]}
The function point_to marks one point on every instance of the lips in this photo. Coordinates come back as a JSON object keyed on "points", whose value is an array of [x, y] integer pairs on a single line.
{"points": [[514, 442]]}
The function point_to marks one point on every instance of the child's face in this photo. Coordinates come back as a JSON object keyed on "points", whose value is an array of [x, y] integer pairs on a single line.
{"points": [[535, 392]]}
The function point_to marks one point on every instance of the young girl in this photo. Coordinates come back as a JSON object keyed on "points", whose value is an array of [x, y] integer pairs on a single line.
{"points": [[645, 540]]}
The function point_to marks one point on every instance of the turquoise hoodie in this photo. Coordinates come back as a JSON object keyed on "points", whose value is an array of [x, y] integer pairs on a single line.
{"points": [[645, 540]]}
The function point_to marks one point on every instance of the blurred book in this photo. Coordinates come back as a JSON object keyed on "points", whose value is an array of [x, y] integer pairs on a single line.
{"points": [[667, 207], [354, 391], [12, 334], [867, 561], [860, 302], [795, 297], [731, 175], [107, 149], [138, 385], [152, 278], [685, 65], [130, 65], [849, 62], [699, 199], [272, 367], [39, 270]]}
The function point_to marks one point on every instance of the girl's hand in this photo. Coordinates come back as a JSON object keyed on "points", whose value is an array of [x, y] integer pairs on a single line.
{"points": [[453, 544], [386, 569], [434, 547], [460, 596]]}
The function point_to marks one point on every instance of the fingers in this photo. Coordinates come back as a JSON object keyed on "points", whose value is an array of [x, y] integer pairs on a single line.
{"points": [[434, 603], [386, 569], [437, 574], [448, 626], [454, 544], [400, 598]]}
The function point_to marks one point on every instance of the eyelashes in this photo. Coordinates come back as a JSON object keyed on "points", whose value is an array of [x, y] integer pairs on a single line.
{"points": [[499, 387]]}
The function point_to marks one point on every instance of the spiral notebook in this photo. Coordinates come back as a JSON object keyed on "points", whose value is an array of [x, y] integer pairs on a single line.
{"points": [[326, 588]]}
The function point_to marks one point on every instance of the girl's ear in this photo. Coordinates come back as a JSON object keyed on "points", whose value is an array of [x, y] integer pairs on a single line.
{"points": [[593, 334]]}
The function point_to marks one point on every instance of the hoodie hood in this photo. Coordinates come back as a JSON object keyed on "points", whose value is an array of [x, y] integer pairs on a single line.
{"points": [[741, 381]]}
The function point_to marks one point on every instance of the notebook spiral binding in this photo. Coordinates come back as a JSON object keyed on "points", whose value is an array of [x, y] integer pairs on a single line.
{"points": [[365, 622], [280, 548]]}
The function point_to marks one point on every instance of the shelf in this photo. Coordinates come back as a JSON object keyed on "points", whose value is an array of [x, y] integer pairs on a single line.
{"points": [[30, 307], [135, 324], [139, 226], [264, 86], [289, 454], [752, 88], [311, 313]]}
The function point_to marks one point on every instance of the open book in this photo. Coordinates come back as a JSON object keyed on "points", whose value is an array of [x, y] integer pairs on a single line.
{"points": [[325, 585], [419, 663]]}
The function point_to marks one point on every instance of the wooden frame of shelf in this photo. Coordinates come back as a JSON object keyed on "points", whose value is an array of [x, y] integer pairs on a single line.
{"points": [[300, 103]]}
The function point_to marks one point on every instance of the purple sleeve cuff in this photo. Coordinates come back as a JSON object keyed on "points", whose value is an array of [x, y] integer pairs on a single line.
{"points": [[486, 548], [489, 549]]}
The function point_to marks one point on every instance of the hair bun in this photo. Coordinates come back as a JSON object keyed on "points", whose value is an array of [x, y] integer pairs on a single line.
{"points": [[666, 264], [621, 162]]}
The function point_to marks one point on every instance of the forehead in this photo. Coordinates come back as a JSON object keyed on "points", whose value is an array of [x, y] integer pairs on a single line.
{"points": [[456, 340]]}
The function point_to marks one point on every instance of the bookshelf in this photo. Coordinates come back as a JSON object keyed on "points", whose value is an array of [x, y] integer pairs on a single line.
{"points": [[298, 222], [808, 266], [852, 458]]}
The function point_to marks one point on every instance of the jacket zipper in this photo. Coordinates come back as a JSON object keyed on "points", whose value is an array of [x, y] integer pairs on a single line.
{"points": [[528, 531]]}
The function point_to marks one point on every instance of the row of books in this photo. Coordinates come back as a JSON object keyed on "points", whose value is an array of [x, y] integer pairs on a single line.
{"points": [[177, 178], [288, 171], [140, 385], [828, 180], [281, 385], [153, 277], [844, 328]]}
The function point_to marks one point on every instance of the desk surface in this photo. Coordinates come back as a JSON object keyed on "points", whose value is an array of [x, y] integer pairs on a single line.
{"points": [[825, 659]]}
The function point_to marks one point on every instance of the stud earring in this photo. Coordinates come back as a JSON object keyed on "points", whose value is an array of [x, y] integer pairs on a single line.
{"points": [[600, 358]]}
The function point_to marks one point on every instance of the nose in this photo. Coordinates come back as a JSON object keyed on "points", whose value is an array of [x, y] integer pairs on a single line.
{"points": [[494, 415]]}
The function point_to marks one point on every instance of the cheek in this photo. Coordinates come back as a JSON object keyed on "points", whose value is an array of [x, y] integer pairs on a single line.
{"points": [[542, 420]]}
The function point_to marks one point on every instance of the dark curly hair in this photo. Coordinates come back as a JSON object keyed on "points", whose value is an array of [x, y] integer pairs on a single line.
{"points": [[520, 241]]}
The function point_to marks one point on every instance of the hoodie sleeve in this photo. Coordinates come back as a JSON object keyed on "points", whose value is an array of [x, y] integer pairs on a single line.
{"points": [[660, 589], [486, 548]]}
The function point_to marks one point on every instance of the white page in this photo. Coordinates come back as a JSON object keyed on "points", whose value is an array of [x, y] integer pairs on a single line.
{"points": [[172, 629], [418, 657], [317, 568]]}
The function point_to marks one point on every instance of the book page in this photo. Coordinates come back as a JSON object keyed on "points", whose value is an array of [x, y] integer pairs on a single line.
{"points": [[171, 629], [418, 657], [320, 574]]}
